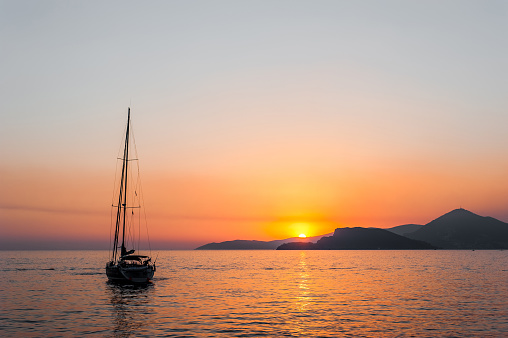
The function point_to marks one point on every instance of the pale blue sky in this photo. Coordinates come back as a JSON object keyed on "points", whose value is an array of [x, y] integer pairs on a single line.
{"points": [[210, 73]]}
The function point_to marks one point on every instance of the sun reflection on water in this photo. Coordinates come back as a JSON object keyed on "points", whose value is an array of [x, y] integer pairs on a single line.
{"points": [[302, 299], [131, 308], [303, 285]]}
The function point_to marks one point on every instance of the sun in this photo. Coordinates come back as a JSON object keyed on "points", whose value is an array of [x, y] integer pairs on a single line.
{"points": [[300, 229]]}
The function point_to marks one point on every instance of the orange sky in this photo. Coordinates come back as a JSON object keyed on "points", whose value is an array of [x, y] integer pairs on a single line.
{"points": [[187, 210]]}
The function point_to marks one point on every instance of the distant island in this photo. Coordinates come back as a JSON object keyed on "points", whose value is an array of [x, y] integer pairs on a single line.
{"points": [[458, 229], [360, 239], [256, 245]]}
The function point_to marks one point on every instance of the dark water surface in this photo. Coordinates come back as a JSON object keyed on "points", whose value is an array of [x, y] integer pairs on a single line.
{"points": [[259, 294]]}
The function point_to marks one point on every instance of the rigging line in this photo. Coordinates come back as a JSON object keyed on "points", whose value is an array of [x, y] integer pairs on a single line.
{"points": [[127, 201], [129, 215], [120, 186], [111, 210], [120, 151], [133, 218], [132, 226], [129, 230], [119, 213], [115, 188], [142, 200], [110, 229], [141, 197], [137, 197], [135, 148], [139, 230], [114, 184]]}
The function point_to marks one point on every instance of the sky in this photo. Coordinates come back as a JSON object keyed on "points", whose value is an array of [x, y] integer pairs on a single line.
{"points": [[253, 119]]}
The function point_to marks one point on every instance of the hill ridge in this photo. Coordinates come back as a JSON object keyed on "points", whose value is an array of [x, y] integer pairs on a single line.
{"points": [[456, 229]]}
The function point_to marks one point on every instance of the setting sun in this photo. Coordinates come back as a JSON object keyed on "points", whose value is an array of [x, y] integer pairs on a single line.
{"points": [[302, 236]]}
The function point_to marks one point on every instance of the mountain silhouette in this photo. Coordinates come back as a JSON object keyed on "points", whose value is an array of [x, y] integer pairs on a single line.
{"points": [[241, 245], [256, 245], [360, 239], [462, 229], [405, 229], [458, 229]]}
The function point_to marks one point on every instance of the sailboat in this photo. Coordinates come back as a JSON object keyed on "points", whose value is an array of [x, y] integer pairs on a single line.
{"points": [[125, 266]]}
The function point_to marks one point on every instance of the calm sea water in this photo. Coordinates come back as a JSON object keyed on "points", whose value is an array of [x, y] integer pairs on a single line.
{"points": [[259, 294]]}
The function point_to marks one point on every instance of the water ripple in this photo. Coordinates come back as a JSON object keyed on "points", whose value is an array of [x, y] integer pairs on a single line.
{"points": [[260, 294]]}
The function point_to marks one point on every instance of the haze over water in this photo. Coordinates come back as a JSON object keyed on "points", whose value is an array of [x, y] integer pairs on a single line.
{"points": [[259, 294]]}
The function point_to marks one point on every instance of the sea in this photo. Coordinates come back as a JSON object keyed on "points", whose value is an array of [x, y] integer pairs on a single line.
{"points": [[431, 293]]}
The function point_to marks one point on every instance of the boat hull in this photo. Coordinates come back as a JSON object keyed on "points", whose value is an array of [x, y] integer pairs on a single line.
{"points": [[130, 274]]}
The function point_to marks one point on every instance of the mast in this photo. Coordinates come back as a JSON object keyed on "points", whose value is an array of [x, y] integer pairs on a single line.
{"points": [[126, 163], [122, 196]]}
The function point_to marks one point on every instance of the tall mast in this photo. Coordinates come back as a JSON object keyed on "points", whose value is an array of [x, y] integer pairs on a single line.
{"points": [[122, 196], [125, 164]]}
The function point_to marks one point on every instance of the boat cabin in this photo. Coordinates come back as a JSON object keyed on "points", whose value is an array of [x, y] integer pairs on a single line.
{"points": [[135, 260]]}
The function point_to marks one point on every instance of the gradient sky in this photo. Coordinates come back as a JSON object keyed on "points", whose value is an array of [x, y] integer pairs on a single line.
{"points": [[253, 119]]}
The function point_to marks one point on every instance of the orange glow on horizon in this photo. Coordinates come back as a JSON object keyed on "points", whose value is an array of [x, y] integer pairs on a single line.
{"points": [[286, 228], [267, 206]]}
